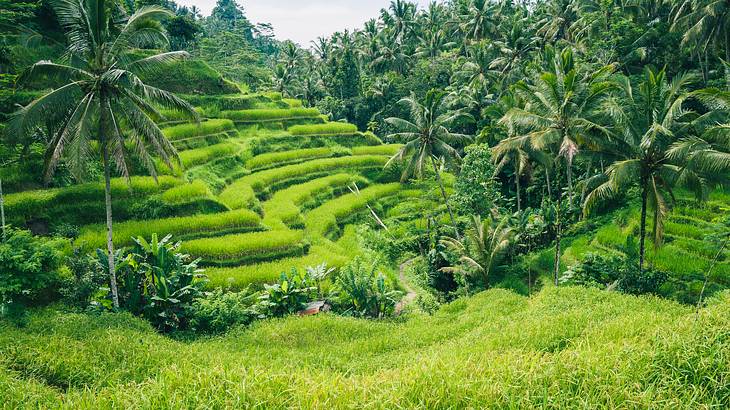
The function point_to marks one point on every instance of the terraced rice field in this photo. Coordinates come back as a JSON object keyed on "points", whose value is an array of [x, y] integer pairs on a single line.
{"points": [[251, 200]]}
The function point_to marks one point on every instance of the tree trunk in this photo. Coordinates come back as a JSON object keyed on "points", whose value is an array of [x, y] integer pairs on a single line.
{"points": [[642, 231], [569, 173], [558, 233], [110, 235], [547, 181], [519, 200], [2, 210], [446, 199]]}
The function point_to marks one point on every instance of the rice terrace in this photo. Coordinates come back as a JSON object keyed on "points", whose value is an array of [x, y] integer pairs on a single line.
{"points": [[450, 204]]}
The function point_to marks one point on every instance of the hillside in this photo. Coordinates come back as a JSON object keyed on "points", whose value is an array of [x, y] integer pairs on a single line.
{"points": [[565, 348], [264, 186]]}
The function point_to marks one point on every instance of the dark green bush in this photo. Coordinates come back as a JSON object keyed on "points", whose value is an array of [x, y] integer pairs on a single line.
{"points": [[219, 311], [30, 269], [288, 296], [362, 291], [86, 279]]}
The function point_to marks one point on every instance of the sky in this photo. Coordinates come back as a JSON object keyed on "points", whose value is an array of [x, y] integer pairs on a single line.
{"points": [[304, 20]]}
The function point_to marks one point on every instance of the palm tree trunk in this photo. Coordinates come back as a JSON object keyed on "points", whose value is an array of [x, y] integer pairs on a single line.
{"points": [[110, 235], [519, 200], [569, 173], [642, 231], [446, 199], [547, 180], [2, 210], [558, 237]]}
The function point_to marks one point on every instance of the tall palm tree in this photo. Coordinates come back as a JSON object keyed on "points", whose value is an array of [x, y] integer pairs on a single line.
{"points": [[484, 248], [427, 138], [560, 113], [102, 97], [648, 122], [705, 23]]}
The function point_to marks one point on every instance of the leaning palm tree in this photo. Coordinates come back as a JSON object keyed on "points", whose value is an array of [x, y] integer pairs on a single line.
{"points": [[648, 122], [560, 113], [484, 248], [427, 138], [102, 99]]}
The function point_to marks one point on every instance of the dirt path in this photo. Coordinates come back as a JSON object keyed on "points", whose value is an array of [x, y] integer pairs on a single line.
{"points": [[410, 292]]}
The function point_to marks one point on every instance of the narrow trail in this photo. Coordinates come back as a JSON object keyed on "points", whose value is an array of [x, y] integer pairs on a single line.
{"points": [[410, 292]]}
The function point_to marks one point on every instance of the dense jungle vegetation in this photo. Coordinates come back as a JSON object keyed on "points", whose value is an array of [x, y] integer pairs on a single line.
{"points": [[473, 204]]}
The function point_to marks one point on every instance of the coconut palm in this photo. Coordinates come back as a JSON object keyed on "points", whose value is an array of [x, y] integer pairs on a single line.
{"points": [[648, 122], [102, 98], [560, 113], [427, 138], [704, 23], [483, 249]]}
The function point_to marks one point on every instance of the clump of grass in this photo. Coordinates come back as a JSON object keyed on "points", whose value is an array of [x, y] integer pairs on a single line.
{"points": [[258, 274], [232, 247], [270, 114], [184, 131], [323, 129], [186, 193], [275, 159], [95, 236]]}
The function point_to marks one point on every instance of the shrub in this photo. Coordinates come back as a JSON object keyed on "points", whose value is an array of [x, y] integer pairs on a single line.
{"points": [[236, 195], [323, 129], [30, 269], [85, 282], [184, 131], [362, 291], [288, 296], [270, 114], [158, 282], [476, 189], [190, 225], [596, 270], [219, 311], [241, 245]]}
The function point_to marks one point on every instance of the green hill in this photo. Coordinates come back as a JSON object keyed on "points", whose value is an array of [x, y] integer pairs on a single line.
{"points": [[564, 348]]}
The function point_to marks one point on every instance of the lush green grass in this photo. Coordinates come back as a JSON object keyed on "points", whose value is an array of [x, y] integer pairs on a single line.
{"points": [[179, 227], [285, 205], [272, 114], [184, 131], [190, 76], [32, 203], [240, 277], [323, 219], [323, 129], [199, 156], [259, 245], [387, 149], [238, 194], [276, 159], [185, 193], [564, 348]]}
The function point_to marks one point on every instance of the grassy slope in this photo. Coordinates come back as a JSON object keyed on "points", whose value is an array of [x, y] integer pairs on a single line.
{"points": [[565, 348]]}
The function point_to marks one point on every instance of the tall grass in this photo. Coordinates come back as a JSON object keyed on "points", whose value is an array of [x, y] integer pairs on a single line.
{"points": [[29, 202], [240, 277], [323, 219], [275, 159], [284, 205], [95, 236], [242, 245], [186, 193], [323, 129], [270, 114], [235, 196], [562, 348], [387, 149], [184, 131]]}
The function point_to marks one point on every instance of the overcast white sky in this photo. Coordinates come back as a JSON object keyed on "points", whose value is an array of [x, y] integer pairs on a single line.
{"points": [[304, 20]]}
